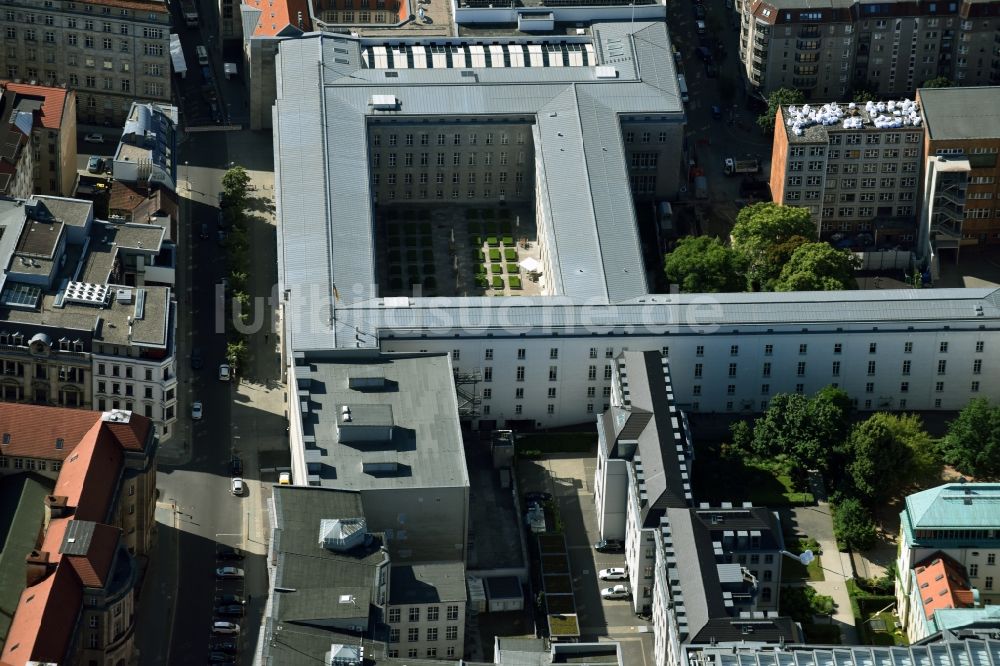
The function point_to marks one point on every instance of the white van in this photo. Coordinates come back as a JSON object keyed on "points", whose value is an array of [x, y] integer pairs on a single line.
{"points": [[699, 24], [683, 86], [202, 55]]}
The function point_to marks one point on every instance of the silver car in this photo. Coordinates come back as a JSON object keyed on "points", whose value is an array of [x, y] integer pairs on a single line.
{"points": [[615, 573], [616, 592], [229, 572]]}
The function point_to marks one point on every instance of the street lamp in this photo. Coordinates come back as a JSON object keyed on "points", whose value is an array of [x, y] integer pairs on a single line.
{"points": [[803, 558]]}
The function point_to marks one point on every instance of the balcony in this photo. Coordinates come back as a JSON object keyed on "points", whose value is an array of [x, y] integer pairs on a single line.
{"points": [[807, 45], [809, 32]]}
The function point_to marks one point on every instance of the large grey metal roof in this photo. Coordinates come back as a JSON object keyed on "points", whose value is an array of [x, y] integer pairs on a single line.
{"points": [[326, 85], [961, 113], [949, 652], [362, 323]]}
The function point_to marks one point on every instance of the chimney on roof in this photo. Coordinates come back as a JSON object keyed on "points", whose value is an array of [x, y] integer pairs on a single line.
{"points": [[56, 506], [37, 567]]}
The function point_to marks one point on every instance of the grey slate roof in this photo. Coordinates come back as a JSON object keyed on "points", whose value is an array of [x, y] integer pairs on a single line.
{"points": [[324, 197], [430, 583], [961, 113], [313, 577]]}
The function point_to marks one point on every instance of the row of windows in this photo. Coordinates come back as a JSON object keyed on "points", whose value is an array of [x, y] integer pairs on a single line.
{"points": [[838, 348], [424, 139], [456, 193], [519, 392], [30, 464], [430, 653], [869, 404], [430, 634], [440, 159], [849, 183], [800, 369], [765, 389], [439, 178], [168, 411], [433, 614]]}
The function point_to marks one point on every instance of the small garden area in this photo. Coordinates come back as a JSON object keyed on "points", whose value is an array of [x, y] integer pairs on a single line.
{"points": [[872, 602], [808, 608], [795, 571], [721, 476], [495, 251]]}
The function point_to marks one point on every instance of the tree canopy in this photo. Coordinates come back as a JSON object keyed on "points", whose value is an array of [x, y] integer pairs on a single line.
{"points": [[806, 431], [235, 182], [778, 98], [863, 96], [817, 267], [702, 264], [761, 227], [885, 452], [973, 441], [853, 525], [938, 82]]}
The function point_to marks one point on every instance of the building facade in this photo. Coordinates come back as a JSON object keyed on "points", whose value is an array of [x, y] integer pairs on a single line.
{"points": [[17, 163], [89, 333], [956, 523], [888, 49], [111, 53], [969, 215], [855, 167], [82, 572], [53, 135]]}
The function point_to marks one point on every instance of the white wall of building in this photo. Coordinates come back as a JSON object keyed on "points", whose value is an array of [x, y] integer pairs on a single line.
{"points": [[144, 386], [766, 363]]}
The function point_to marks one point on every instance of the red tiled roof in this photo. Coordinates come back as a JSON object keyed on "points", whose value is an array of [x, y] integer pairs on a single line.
{"points": [[93, 568], [45, 620], [132, 435], [34, 429], [277, 15], [89, 477], [53, 101], [942, 583]]}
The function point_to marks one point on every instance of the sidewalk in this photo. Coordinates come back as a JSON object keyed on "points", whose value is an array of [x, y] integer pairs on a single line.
{"points": [[156, 606], [816, 522]]}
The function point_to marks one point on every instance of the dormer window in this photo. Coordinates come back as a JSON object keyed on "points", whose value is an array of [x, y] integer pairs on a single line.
{"points": [[78, 345], [63, 344]]}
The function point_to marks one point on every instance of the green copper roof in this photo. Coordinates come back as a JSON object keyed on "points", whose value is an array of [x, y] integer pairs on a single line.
{"points": [[955, 506]]}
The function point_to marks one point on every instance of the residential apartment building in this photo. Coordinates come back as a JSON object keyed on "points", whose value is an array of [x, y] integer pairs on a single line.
{"points": [[856, 168], [17, 161], [53, 135], [80, 326], [888, 49], [701, 598], [955, 529], [426, 613], [110, 52], [78, 601], [966, 146]]}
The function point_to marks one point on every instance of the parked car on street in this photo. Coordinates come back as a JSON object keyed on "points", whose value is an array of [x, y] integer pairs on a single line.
{"points": [[94, 137], [229, 553], [226, 573], [285, 479], [615, 573], [616, 592], [229, 599], [238, 487], [196, 410], [95, 164], [196, 359], [610, 546], [217, 657], [225, 628], [236, 466], [225, 373], [230, 610]]}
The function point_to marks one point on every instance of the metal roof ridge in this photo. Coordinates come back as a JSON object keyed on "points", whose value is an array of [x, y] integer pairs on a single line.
{"points": [[590, 192]]}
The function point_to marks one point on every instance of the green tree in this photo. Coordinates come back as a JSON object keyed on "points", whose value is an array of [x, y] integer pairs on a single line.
{"points": [[973, 441], [806, 431], [759, 229], [863, 96], [879, 459], [235, 182], [853, 525], [238, 280], [818, 267], [236, 352], [701, 264], [938, 82], [778, 98]]}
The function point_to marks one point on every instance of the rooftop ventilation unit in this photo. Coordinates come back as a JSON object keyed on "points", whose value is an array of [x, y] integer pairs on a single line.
{"points": [[605, 72], [385, 102], [123, 295], [86, 293]]}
